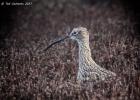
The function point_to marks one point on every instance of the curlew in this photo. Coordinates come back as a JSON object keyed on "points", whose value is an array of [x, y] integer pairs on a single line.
{"points": [[88, 70]]}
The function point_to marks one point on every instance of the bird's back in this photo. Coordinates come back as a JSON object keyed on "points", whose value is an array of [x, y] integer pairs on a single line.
{"points": [[93, 72]]}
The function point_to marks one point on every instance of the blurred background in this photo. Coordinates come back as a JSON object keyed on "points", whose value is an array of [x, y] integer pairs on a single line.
{"points": [[26, 72]]}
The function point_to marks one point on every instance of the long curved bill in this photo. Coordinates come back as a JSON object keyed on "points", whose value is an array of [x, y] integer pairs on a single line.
{"points": [[58, 41]]}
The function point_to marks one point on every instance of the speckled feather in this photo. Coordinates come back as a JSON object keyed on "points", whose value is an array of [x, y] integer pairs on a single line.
{"points": [[88, 69]]}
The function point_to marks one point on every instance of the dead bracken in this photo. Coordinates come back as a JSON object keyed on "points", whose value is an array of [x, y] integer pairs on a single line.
{"points": [[27, 73]]}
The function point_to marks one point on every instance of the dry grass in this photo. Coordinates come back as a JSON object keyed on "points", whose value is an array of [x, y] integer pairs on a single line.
{"points": [[28, 73]]}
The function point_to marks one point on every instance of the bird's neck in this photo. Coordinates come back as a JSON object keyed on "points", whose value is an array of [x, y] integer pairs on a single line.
{"points": [[84, 47], [84, 52]]}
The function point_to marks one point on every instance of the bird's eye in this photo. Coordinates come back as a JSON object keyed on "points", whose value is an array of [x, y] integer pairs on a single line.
{"points": [[74, 33]]}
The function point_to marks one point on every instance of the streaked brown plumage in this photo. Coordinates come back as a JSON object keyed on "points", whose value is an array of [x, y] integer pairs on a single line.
{"points": [[88, 69]]}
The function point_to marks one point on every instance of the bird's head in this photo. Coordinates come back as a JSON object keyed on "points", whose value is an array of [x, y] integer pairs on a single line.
{"points": [[79, 34]]}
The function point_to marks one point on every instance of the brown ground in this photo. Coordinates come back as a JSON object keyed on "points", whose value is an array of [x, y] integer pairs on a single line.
{"points": [[27, 73]]}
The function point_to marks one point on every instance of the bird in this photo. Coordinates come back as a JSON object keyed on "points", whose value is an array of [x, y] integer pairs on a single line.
{"points": [[88, 69]]}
